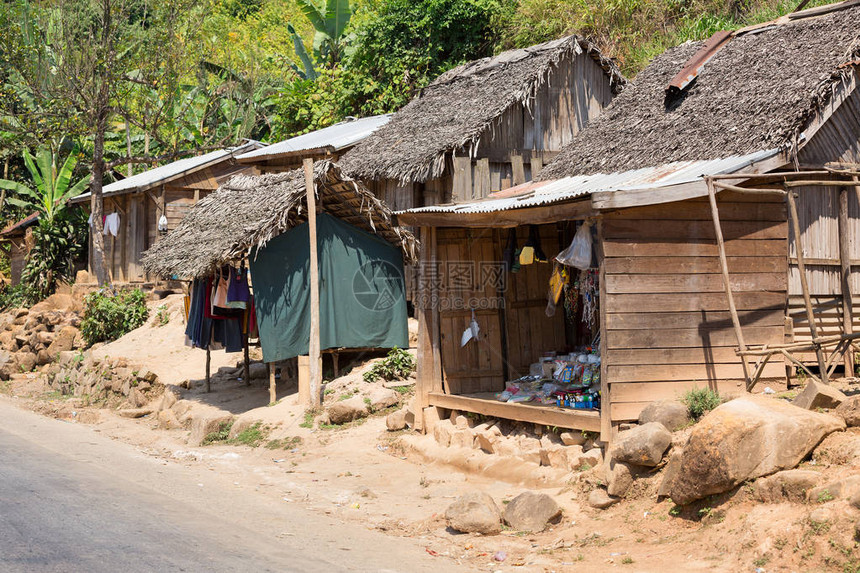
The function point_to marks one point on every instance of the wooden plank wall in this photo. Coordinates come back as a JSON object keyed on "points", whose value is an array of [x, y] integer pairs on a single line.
{"points": [[524, 138], [667, 323], [577, 91], [818, 212]]}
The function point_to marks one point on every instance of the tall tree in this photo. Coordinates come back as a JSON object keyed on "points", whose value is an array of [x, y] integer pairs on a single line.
{"points": [[85, 64]]}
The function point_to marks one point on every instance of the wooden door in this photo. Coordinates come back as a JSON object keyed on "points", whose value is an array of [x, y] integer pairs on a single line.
{"points": [[467, 273]]}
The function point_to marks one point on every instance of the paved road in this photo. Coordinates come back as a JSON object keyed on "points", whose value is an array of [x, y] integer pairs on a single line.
{"points": [[73, 500]]}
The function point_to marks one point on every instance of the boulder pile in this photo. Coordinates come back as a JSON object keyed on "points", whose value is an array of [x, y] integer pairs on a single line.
{"points": [[567, 451], [110, 382], [30, 338]]}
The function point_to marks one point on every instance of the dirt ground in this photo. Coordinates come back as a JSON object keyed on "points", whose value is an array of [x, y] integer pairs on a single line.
{"points": [[390, 481]]}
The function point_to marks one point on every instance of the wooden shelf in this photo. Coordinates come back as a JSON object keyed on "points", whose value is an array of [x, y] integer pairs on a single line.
{"points": [[486, 404]]}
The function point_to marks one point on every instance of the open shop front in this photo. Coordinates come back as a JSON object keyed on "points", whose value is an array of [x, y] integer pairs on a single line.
{"points": [[510, 321]]}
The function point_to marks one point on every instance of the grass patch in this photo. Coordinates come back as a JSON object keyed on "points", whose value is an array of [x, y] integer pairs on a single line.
{"points": [[288, 443], [403, 389], [309, 419], [219, 435], [252, 436]]}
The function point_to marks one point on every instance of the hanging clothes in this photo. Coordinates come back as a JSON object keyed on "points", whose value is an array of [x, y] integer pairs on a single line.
{"points": [[205, 330], [238, 292], [112, 224]]}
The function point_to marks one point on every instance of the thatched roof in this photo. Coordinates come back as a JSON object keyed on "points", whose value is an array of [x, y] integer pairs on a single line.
{"points": [[250, 210], [756, 93], [456, 110]]}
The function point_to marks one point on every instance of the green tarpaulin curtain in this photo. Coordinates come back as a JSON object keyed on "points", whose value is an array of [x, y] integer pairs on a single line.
{"points": [[362, 298]]}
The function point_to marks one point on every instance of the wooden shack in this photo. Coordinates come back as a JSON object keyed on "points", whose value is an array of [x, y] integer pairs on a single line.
{"points": [[270, 222], [487, 125], [169, 190], [692, 292], [16, 237]]}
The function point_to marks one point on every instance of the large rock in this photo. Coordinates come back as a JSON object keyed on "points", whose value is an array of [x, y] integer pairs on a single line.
{"points": [[790, 485], [442, 431], [670, 473], [599, 499], [643, 445], [531, 511], [673, 415], [745, 439], [63, 341], [204, 425], [474, 513], [396, 420], [26, 361], [844, 488], [817, 395], [382, 398], [487, 438], [849, 410], [347, 410], [619, 478]]}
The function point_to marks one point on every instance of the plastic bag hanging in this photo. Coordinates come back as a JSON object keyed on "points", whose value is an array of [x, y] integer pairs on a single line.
{"points": [[578, 254], [471, 331]]}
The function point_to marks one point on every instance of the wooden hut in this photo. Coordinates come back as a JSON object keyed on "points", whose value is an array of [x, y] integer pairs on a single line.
{"points": [[698, 276], [170, 191], [486, 125], [16, 236], [257, 219]]}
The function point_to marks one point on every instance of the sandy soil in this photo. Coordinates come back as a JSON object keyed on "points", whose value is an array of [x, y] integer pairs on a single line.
{"points": [[362, 473]]}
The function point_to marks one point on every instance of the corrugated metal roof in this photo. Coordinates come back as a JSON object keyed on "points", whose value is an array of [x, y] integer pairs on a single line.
{"points": [[176, 169], [332, 138], [534, 194]]}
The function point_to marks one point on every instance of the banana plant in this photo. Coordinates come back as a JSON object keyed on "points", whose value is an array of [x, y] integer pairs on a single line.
{"points": [[52, 185], [329, 22]]}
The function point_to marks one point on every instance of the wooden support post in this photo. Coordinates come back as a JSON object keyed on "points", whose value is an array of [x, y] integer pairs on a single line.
{"points": [[519, 171], [845, 263], [246, 365], [334, 363], [315, 372], [804, 284], [273, 386], [724, 268], [304, 380], [208, 368]]}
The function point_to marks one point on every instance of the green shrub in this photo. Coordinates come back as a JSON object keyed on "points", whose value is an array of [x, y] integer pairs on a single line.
{"points": [[109, 315], [399, 364], [20, 295], [700, 401]]}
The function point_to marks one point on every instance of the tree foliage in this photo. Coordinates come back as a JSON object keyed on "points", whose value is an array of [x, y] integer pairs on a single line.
{"points": [[52, 185]]}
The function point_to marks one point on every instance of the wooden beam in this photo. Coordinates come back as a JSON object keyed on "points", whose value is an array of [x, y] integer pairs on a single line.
{"points": [[724, 267], [605, 395], [577, 210], [544, 415], [314, 342], [208, 369], [804, 284], [528, 155], [273, 388], [845, 241]]}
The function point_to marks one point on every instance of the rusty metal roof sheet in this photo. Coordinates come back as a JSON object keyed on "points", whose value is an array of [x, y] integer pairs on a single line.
{"points": [[535, 194]]}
